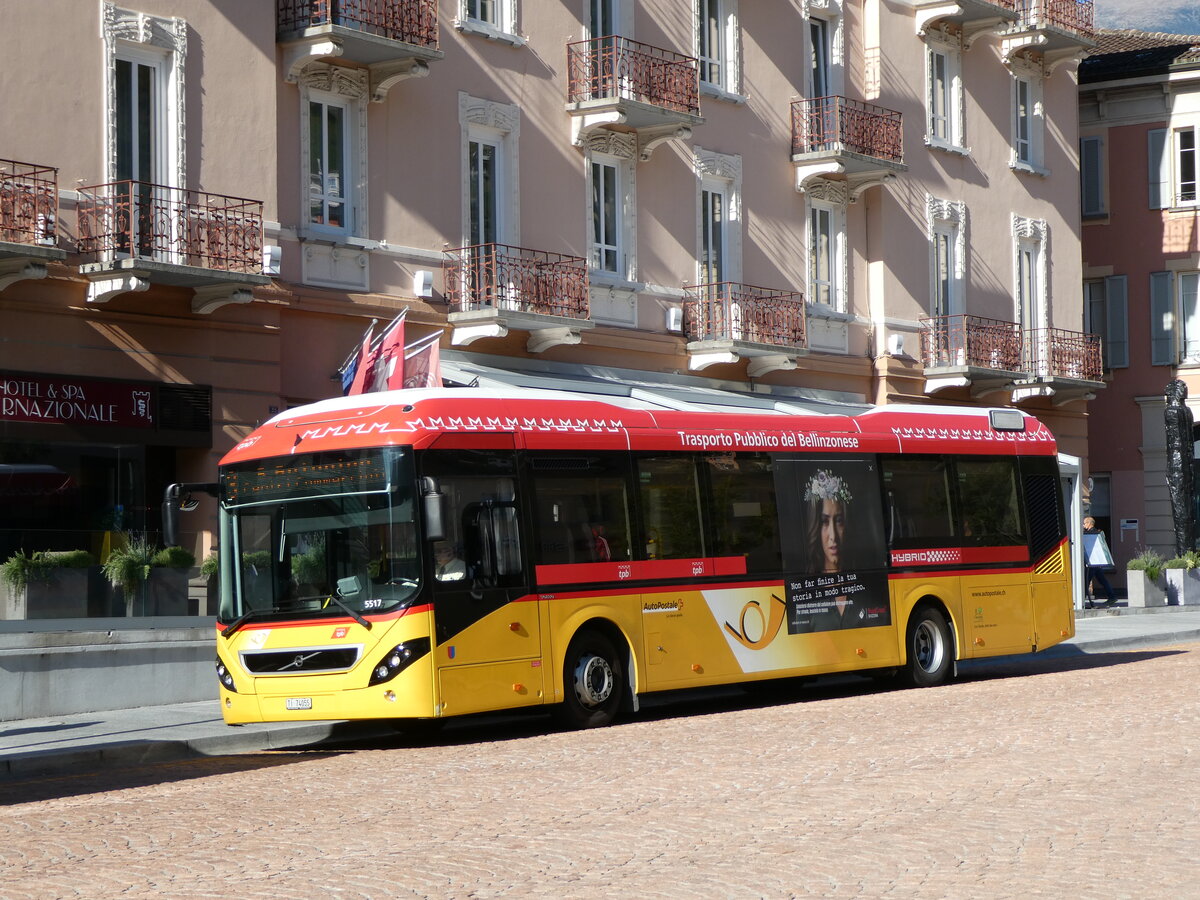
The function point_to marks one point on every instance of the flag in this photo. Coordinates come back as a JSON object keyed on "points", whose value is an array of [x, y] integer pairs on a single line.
{"points": [[354, 370], [423, 362], [387, 366]]}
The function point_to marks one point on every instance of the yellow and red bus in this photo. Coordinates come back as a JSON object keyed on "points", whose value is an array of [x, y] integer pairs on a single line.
{"points": [[421, 554]]}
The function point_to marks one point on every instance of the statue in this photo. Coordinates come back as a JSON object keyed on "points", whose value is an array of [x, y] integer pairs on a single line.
{"points": [[1179, 465]]}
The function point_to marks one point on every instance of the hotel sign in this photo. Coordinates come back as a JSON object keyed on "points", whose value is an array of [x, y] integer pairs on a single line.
{"points": [[67, 400]]}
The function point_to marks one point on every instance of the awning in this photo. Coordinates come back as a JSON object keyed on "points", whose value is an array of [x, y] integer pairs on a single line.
{"points": [[665, 389]]}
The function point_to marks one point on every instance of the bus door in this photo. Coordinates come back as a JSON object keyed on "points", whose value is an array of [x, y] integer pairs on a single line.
{"points": [[996, 595], [488, 642]]}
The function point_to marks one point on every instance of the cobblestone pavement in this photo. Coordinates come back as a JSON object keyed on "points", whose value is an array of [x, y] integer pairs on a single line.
{"points": [[1076, 779]]}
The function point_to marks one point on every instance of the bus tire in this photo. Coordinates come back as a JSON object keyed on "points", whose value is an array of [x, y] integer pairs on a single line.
{"points": [[930, 649], [593, 682]]}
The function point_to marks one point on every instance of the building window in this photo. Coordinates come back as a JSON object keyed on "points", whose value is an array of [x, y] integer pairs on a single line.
{"points": [[1027, 123], [490, 18], [1091, 176], [717, 44], [1106, 315], [947, 255], [1189, 315], [1029, 272], [718, 232], [607, 215], [943, 96], [334, 150], [328, 161], [826, 246], [489, 171], [1185, 165], [144, 77], [818, 37]]}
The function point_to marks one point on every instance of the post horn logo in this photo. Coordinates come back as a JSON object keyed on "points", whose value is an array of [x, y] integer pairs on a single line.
{"points": [[768, 624]]}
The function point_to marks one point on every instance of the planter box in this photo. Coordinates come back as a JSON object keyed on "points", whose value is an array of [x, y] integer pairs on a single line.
{"points": [[1143, 591], [66, 594], [165, 593], [1183, 587]]}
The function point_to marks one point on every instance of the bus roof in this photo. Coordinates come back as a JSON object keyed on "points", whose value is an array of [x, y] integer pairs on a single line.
{"points": [[521, 418]]}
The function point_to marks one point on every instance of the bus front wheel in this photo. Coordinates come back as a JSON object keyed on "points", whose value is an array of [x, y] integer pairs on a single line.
{"points": [[930, 651], [593, 682]]}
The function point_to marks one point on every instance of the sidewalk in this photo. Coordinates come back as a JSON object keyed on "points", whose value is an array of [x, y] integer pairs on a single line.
{"points": [[153, 734]]}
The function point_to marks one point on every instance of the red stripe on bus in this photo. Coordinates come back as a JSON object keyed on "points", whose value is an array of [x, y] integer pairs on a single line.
{"points": [[959, 556], [287, 623], [641, 570]]}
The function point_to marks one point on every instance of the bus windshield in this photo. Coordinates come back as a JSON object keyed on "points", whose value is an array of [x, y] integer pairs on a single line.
{"points": [[320, 535]]}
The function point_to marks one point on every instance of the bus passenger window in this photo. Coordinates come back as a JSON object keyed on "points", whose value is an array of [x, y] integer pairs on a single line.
{"points": [[744, 517], [987, 489], [917, 507], [670, 508], [581, 509]]}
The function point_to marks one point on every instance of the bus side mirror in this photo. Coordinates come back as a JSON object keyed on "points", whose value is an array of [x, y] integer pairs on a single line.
{"points": [[433, 508], [179, 497]]}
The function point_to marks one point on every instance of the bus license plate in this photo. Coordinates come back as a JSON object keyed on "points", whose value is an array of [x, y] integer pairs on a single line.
{"points": [[299, 702]]}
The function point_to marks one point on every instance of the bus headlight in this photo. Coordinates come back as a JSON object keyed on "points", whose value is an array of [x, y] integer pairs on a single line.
{"points": [[398, 659], [225, 676]]}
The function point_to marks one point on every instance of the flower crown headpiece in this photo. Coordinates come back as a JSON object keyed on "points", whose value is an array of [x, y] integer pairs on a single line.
{"points": [[826, 486]]}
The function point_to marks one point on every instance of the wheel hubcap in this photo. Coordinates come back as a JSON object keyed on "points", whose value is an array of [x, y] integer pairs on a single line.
{"points": [[593, 680], [928, 647]]}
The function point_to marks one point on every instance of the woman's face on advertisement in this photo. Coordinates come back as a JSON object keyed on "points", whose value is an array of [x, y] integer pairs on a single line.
{"points": [[833, 528]]}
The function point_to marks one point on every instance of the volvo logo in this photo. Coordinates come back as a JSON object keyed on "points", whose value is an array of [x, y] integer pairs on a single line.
{"points": [[299, 661]]}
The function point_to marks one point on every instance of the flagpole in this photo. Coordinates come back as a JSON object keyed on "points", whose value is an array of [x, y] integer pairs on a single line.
{"points": [[357, 347], [378, 342]]}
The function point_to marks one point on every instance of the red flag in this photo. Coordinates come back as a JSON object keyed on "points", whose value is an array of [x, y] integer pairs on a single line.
{"points": [[423, 363], [388, 372], [363, 365]]}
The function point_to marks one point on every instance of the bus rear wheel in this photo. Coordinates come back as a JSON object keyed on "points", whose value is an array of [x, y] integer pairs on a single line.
{"points": [[593, 682], [930, 651]]}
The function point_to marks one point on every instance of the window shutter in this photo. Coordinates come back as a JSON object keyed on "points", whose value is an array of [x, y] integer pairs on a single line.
{"points": [[1089, 176], [1160, 169], [1162, 320], [1116, 321]]}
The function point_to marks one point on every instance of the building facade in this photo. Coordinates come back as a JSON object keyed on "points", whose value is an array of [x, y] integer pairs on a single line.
{"points": [[1139, 101], [813, 202]]}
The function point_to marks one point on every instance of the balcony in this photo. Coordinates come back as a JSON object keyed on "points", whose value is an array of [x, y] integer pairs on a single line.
{"points": [[1062, 364], [618, 84], [138, 234], [972, 352], [491, 288], [1059, 30], [28, 219], [394, 39], [725, 322], [970, 18], [844, 138]]}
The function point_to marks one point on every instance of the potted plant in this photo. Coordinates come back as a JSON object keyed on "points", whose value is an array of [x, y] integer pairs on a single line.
{"points": [[1145, 579], [1183, 579], [152, 583], [48, 584]]}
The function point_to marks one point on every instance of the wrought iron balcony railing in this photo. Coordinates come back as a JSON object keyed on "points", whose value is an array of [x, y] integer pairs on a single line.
{"points": [[501, 277], [410, 21], [28, 203], [616, 68], [176, 226], [1073, 16], [835, 124], [970, 341], [727, 311], [1058, 353]]}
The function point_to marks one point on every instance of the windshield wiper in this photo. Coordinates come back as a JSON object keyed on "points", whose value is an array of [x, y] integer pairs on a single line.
{"points": [[357, 618]]}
